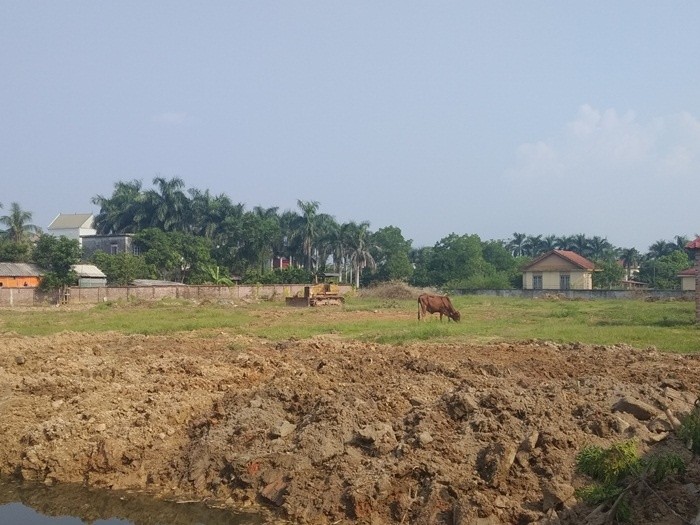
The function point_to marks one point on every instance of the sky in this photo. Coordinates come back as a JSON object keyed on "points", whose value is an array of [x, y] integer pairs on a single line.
{"points": [[486, 118]]}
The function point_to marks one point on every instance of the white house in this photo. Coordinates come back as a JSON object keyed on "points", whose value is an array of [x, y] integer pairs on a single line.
{"points": [[73, 226]]}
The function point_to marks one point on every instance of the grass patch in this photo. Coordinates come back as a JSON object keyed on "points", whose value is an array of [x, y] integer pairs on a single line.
{"points": [[668, 326]]}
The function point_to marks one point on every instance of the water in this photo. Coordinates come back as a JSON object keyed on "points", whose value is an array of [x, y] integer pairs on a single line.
{"points": [[30, 504]]}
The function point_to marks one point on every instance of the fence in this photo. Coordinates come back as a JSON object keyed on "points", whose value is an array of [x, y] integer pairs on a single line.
{"points": [[585, 294], [77, 295]]}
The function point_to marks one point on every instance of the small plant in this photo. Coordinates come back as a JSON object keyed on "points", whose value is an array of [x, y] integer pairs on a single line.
{"points": [[690, 429], [618, 469]]}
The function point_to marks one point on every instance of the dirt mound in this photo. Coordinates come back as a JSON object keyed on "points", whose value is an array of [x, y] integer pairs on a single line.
{"points": [[391, 290], [331, 431]]}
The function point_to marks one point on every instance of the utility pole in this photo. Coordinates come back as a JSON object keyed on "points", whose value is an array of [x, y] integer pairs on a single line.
{"points": [[694, 248]]}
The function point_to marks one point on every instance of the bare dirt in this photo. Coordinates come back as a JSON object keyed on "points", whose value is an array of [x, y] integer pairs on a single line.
{"points": [[330, 431]]}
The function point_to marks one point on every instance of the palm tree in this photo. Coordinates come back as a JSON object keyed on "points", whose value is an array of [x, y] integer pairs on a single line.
{"points": [[118, 213], [630, 258], [360, 254], [168, 207], [308, 226], [579, 244], [660, 248], [18, 225], [517, 244], [599, 248]]}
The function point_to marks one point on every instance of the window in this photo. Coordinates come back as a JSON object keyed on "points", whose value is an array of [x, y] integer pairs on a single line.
{"points": [[564, 281], [114, 249], [136, 250], [537, 281]]}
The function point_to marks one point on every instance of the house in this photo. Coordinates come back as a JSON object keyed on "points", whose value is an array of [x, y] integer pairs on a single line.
{"points": [[89, 276], [688, 279], [19, 275], [110, 244], [559, 270], [73, 226]]}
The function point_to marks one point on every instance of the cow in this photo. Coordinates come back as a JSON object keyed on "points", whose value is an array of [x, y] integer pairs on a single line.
{"points": [[436, 304]]}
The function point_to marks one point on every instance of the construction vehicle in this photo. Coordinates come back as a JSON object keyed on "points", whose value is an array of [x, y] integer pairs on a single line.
{"points": [[322, 294]]}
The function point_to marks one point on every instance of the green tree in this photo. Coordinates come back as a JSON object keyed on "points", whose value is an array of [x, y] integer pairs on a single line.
{"points": [[518, 244], [359, 249], [307, 227], [390, 251], [56, 256], [121, 268], [167, 207], [18, 224], [456, 259], [121, 212], [609, 274], [662, 272]]}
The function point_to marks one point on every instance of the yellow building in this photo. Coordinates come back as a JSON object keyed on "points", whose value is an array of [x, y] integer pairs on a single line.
{"points": [[559, 270]]}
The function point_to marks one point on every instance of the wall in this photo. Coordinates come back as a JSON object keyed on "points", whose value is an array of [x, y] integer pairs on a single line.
{"points": [[583, 294], [76, 295]]}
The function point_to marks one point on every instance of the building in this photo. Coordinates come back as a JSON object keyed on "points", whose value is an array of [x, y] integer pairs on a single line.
{"points": [[19, 275], [73, 225], [89, 276], [110, 244], [559, 270], [688, 279]]}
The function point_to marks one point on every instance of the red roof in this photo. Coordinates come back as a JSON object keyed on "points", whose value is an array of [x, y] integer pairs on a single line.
{"points": [[693, 245], [570, 256], [688, 272]]}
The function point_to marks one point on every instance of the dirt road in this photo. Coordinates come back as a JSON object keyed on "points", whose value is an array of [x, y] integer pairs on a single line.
{"points": [[329, 431]]}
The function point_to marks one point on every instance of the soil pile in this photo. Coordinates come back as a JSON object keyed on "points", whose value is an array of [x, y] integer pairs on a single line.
{"points": [[330, 431]]}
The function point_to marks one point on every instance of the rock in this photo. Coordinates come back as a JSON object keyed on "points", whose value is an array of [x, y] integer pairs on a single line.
{"points": [[275, 491], [425, 438], [376, 437], [530, 442], [555, 494], [20, 359], [494, 462], [283, 429], [638, 409]]}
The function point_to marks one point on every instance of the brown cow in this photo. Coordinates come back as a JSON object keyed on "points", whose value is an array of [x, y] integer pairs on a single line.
{"points": [[436, 304]]}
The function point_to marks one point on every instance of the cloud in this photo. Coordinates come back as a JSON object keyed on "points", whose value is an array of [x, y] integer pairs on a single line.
{"points": [[171, 118], [606, 145]]}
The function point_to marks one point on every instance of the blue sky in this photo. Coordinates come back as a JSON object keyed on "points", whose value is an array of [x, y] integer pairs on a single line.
{"points": [[483, 118]]}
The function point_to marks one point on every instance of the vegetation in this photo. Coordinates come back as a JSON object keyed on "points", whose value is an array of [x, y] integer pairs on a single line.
{"points": [[667, 326], [182, 234], [619, 469]]}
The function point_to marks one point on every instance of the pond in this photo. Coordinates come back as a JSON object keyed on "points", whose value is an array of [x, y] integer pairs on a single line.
{"points": [[65, 504]]}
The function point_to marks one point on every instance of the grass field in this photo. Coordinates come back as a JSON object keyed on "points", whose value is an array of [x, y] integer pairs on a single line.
{"points": [[666, 325]]}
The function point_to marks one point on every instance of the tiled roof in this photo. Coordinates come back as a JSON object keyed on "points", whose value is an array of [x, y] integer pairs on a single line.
{"points": [[71, 220], [19, 270], [688, 272], [572, 257], [694, 245]]}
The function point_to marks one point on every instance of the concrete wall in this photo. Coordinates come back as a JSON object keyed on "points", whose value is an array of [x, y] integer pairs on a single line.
{"points": [[583, 294], [77, 295]]}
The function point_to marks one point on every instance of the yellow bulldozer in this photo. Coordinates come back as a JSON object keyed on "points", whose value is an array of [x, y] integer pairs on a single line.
{"points": [[322, 294]]}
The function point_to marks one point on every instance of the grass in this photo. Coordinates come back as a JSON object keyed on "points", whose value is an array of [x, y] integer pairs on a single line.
{"points": [[666, 325]]}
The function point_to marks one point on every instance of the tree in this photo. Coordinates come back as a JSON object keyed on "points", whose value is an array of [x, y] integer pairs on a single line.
{"points": [[121, 268], [390, 251], [121, 212], [307, 228], [455, 259], [167, 208], [662, 272], [360, 254], [56, 256], [630, 257], [518, 244], [18, 224], [175, 256], [608, 274]]}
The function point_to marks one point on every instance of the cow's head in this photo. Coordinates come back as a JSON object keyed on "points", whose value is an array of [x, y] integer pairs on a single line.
{"points": [[455, 316]]}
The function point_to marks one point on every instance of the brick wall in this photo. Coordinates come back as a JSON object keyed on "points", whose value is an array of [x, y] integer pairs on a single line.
{"points": [[33, 297]]}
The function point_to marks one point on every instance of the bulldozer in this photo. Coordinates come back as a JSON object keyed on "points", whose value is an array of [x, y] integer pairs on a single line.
{"points": [[322, 294]]}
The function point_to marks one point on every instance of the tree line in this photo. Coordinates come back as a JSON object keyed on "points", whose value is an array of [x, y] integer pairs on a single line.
{"points": [[192, 236]]}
